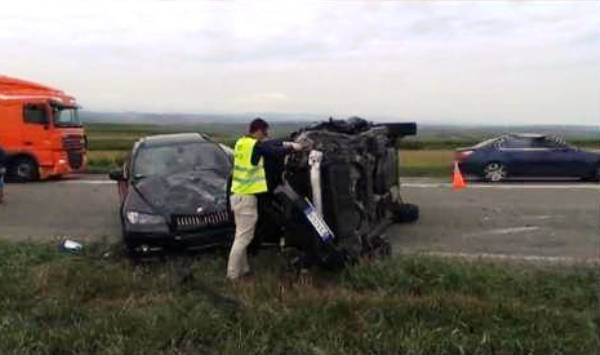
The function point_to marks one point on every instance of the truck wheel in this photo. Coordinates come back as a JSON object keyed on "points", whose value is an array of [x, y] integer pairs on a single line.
{"points": [[406, 213], [23, 169]]}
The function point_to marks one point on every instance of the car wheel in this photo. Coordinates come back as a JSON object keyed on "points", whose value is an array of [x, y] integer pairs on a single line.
{"points": [[495, 172], [406, 213], [596, 175], [24, 169]]}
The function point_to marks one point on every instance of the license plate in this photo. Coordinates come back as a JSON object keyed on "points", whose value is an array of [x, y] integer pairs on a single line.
{"points": [[318, 223]]}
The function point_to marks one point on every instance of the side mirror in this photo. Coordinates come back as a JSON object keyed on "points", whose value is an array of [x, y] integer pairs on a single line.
{"points": [[116, 175]]}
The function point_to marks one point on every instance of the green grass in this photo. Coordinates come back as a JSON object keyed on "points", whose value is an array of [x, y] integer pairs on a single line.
{"points": [[102, 161], [429, 163], [60, 303]]}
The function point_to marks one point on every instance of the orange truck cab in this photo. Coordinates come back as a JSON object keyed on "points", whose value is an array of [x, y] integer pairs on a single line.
{"points": [[40, 130]]}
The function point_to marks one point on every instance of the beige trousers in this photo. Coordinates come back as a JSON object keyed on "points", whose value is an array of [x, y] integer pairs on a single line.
{"points": [[245, 213]]}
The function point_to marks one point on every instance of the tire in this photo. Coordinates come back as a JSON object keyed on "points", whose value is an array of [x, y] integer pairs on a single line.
{"points": [[495, 172], [595, 176], [406, 213], [23, 169]]}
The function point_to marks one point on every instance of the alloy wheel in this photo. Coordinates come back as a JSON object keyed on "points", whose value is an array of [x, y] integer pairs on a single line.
{"points": [[495, 172]]}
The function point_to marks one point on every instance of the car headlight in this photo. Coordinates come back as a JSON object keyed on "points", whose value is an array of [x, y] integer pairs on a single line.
{"points": [[144, 218]]}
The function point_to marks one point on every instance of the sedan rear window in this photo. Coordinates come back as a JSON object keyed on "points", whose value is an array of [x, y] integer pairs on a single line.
{"points": [[517, 142], [181, 158]]}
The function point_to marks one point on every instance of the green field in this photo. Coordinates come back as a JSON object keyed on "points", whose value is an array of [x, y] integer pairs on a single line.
{"points": [[100, 302], [110, 143], [433, 163], [420, 156]]}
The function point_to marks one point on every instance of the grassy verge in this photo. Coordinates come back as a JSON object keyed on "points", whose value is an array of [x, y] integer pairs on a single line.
{"points": [[102, 161], [56, 303], [430, 163]]}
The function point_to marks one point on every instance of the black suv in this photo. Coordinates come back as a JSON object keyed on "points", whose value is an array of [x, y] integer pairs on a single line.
{"points": [[173, 192]]}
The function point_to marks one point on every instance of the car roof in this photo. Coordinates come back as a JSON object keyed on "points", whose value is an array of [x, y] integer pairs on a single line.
{"points": [[162, 139]]}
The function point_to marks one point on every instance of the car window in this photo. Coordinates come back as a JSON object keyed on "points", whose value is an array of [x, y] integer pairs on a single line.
{"points": [[545, 143], [181, 158], [486, 143], [517, 142]]}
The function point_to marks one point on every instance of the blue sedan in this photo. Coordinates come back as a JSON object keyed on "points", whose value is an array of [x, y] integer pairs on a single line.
{"points": [[527, 156]]}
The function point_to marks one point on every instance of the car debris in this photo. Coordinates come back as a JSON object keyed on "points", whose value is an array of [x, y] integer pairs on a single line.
{"points": [[70, 246], [338, 199]]}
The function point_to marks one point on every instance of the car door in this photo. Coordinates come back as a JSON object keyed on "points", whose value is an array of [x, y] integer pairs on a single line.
{"points": [[549, 157], [562, 160], [521, 158]]}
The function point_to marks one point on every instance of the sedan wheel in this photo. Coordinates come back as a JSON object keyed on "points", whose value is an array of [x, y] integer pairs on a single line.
{"points": [[597, 174], [495, 172]]}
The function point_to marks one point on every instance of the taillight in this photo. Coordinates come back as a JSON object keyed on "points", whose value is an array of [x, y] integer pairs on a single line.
{"points": [[462, 155]]}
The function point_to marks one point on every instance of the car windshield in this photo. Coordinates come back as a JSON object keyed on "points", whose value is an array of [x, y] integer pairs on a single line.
{"points": [[66, 116], [167, 160], [485, 143]]}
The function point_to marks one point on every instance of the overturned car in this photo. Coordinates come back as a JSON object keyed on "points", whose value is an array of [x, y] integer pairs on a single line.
{"points": [[338, 198]]}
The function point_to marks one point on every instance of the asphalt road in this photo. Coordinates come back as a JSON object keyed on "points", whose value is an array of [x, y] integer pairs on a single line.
{"points": [[528, 220], [84, 208], [518, 219]]}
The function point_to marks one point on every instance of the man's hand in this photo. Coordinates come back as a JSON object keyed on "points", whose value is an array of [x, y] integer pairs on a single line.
{"points": [[295, 146]]}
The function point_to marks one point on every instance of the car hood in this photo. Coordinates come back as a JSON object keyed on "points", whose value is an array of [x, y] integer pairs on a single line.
{"points": [[185, 193]]}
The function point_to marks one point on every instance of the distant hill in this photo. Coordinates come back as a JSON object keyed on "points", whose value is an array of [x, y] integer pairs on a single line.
{"points": [[468, 132], [425, 131]]}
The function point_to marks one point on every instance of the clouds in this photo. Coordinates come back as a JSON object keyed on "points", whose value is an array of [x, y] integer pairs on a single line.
{"points": [[466, 61]]}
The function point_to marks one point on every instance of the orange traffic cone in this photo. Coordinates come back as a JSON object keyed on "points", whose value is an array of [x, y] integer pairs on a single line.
{"points": [[458, 182]]}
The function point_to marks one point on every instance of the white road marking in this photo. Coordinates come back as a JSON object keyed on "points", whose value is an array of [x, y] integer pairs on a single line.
{"points": [[416, 185], [512, 257], [542, 217], [505, 186], [88, 182], [512, 230]]}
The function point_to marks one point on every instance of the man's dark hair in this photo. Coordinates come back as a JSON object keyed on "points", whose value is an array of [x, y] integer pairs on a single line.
{"points": [[258, 124]]}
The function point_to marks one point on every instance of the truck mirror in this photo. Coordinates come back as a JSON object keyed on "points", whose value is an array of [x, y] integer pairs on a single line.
{"points": [[116, 175]]}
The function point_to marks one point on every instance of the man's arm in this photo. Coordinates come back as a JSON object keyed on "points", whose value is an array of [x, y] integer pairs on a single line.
{"points": [[273, 148]]}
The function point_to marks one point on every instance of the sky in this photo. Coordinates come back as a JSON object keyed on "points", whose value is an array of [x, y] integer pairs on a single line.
{"points": [[480, 62]]}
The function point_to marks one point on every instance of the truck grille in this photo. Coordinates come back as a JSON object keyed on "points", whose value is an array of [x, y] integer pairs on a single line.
{"points": [[73, 142], [75, 160], [193, 222]]}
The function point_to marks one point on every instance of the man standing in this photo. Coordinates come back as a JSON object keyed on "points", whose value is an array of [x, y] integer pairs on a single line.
{"points": [[249, 181]]}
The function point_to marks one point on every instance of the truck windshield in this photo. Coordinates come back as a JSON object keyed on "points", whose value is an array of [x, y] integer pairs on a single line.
{"points": [[66, 117]]}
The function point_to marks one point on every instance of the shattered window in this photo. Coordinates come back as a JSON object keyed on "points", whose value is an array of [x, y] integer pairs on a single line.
{"points": [[180, 158]]}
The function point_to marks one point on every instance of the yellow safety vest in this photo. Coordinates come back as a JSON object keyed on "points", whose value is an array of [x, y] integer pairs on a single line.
{"points": [[248, 179]]}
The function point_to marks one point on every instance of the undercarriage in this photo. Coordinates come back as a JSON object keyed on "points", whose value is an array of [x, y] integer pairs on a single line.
{"points": [[339, 197]]}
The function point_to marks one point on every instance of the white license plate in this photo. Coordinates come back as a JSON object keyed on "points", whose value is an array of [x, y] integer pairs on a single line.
{"points": [[318, 223]]}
